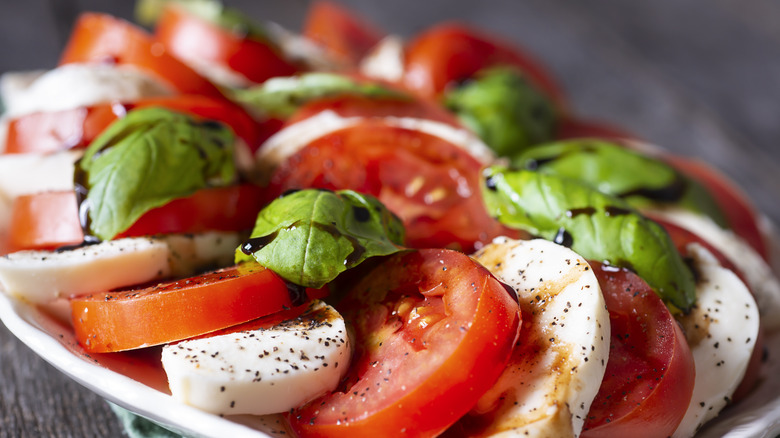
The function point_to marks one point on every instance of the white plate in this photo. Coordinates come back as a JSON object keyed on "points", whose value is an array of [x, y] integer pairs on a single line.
{"points": [[135, 384]]}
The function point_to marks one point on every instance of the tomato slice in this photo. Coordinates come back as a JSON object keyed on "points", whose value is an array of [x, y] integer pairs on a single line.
{"points": [[649, 378], [188, 36], [181, 309], [735, 205], [431, 184], [449, 53], [347, 36], [50, 220], [104, 38], [76, 128], [433, 331]]}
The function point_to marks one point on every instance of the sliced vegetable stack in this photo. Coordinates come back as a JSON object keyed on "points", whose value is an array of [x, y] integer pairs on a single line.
{"points": [[359, 233]]}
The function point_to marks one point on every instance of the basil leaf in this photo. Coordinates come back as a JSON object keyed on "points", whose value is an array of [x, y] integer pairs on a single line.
{"points": [[310, 236], [504, 109], [148, 12], [280, 97], [593, 224], [616, 170], [146, 160]]}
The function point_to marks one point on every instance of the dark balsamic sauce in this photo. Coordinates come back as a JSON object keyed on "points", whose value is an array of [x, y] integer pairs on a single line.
{"points": [[574, 212], [297, 294], [564, 238]]}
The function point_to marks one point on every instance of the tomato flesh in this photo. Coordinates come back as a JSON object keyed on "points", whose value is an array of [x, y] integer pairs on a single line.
{"points": [[50, 220], [649, 378], [167, 312], [103, 38], [340, 31], [431, 184], [188, 36], [433, 331]]}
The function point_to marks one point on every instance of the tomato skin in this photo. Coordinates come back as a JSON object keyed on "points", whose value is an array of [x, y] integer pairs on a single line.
{"points": [[432, 185], [188, 36], [103, 38], [181, 309], [450, 52], [417, 368], [650, 373], [346, 36], [76, 128], [735, 205], [50, 220]]}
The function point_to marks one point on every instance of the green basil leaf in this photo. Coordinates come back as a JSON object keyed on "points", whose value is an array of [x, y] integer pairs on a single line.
{"points": [[148, 12], [593, 224], [146, 160], [616, 170], [281, 97], [504, 109], [309, 237]]}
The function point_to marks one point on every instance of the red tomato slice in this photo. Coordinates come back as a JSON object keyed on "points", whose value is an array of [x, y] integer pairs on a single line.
{"points": [[450, 52], [50, 220], [103, 38], [433, 331], [44, 221], [347, 36], [735, 205], [431, 184], [650, 373], [75, 128], [187, 36], [167, 312]]}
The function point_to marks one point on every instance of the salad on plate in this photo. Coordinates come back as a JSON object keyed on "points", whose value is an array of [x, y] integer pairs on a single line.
{"points": [[225, 226]]}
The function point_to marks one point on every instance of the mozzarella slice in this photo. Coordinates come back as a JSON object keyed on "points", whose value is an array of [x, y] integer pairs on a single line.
{"points": [[76, 85], [757, 272], [291, 139], [386, 60], [23, 174], [721, 330], [559, 362], [42, 276], [262, 371]]}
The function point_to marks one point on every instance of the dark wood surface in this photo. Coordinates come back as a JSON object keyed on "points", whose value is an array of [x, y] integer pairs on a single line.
{"points": [[701, 77]]}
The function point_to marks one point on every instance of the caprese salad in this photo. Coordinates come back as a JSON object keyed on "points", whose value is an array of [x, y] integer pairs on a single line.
{"points": [[372, 235]]}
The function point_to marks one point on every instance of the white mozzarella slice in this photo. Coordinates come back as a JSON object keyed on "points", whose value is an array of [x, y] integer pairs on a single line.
{"points": [[560, 359], [76, 85], [757, 272], [386, 60], [24, 174], [13, 85], [721, 330], [262, 371], [43, 276], [291, 139], [295, 137]]}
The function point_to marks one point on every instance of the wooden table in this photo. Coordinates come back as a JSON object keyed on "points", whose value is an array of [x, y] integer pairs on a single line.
{"points": [[699, 77]]}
